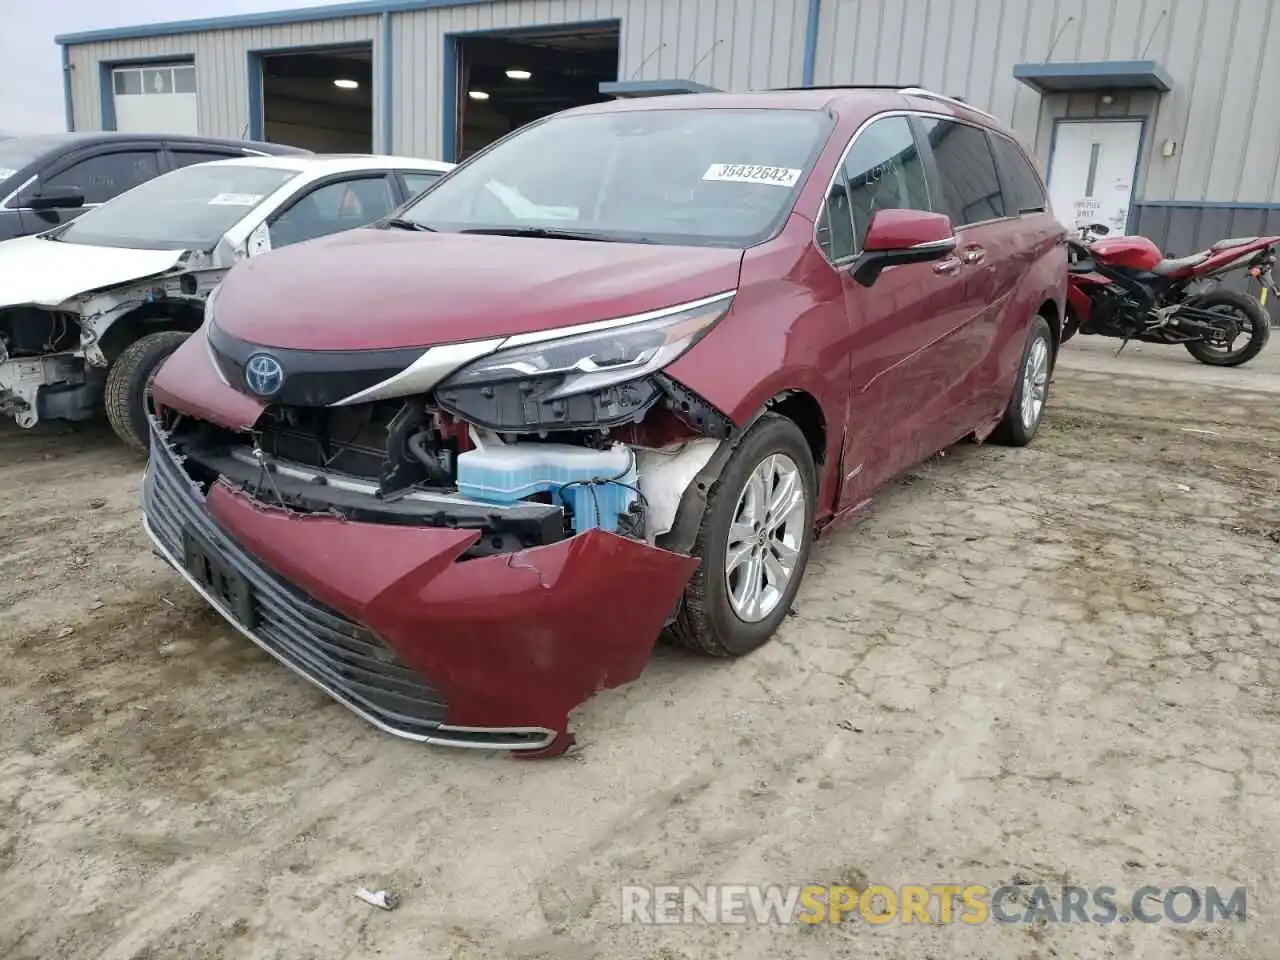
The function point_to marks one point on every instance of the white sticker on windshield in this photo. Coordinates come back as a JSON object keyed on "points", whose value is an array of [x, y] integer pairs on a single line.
{"points": [[752, 173], [6, 173], [235, 200]]}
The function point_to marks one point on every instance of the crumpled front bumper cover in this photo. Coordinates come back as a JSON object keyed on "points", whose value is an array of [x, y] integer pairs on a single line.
{"points": [[491, 652]]}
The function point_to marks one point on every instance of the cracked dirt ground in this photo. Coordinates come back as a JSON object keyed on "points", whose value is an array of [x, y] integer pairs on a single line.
{"points": [[1058, 665]]}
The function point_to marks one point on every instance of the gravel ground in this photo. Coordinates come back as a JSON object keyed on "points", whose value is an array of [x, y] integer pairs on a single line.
{"points": [[1056, 665]]}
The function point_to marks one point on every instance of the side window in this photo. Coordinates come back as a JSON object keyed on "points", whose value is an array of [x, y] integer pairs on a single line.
{"points": [[885, 172], [967, 170], [185, 158], [1023, 191], [332, 208], [835, 223], [416, 181], [107, 175]]}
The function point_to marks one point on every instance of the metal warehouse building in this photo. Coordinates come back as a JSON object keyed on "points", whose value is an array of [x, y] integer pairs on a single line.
{"points": [[1150, 112]]}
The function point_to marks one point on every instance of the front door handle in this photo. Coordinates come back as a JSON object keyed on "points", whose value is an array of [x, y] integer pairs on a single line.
{"points": [[949, 265]]}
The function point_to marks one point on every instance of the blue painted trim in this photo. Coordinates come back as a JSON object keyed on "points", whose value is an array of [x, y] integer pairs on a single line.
{"points": [[449, 63], [253, 64], [106, 97], [449, 105], [809, 67], [652, 88], [1070, 76], [388, 81], [338, 11], [1207, 204], [68, 104]]}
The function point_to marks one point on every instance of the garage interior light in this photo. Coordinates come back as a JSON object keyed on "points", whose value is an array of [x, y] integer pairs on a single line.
{"points": [[514, 74], [478, 95], [346, 84]]}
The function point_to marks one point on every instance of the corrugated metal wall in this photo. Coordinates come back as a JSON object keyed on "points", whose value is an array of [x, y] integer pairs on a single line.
{"points": [[1224, 56], [730, 44], [221, 59]]}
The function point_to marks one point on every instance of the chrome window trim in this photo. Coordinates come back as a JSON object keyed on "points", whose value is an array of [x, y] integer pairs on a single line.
{"points": [[907, 112]]}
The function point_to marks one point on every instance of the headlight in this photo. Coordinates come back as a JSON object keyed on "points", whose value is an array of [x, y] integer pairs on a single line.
{"points": [[208, 304], [596, 355]]}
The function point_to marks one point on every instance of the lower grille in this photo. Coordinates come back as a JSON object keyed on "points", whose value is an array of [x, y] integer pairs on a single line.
{"points": [[341, 656]]}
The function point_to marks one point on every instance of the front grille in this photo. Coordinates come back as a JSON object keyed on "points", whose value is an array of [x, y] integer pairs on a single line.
{"points": [[341, 656]]}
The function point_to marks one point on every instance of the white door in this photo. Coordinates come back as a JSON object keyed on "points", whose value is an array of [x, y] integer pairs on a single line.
{"points": [[159, 98], [1092, 169]]}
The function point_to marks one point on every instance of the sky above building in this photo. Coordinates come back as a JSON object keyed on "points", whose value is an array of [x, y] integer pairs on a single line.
{"points": [[31, 98]]}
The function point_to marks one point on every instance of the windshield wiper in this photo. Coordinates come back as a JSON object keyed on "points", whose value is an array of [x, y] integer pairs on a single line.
{"points": [[400, 223], [549, 234]]}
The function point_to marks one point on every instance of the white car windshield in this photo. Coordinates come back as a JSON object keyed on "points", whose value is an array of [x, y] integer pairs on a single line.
{"points": [[188, 209], [684, 176]]}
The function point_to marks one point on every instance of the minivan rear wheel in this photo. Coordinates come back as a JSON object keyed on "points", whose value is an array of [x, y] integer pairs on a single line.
{"points": [[754, 543], [1031, 391]]}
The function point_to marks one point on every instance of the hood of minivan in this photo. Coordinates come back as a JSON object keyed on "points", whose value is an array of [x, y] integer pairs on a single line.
{"points": [[49, 272], [373, 289]]}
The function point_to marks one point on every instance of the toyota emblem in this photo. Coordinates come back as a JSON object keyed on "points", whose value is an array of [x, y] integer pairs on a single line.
{"points": [[264, 375]]}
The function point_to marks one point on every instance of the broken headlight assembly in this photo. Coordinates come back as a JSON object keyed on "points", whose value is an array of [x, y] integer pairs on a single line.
{"points": [[594, 376]]}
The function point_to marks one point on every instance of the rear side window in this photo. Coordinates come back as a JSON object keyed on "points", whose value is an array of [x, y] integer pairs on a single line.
{"points": [[1023, 192], [416, 181], [967, 170]]}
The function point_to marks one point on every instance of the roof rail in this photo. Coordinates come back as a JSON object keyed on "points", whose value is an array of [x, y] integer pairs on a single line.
{"points": [[838, 86], [930, 95]]}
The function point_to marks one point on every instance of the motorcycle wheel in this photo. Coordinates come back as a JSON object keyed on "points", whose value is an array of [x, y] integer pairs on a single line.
{"points": [[1069, 329], [1253, 320]]}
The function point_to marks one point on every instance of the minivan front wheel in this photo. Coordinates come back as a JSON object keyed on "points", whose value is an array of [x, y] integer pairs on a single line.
{"points": [[754, 543]]}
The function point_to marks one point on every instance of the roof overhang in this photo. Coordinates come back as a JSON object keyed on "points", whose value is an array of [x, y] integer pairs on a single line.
{"points": [[652, 88], [1084, 77]]}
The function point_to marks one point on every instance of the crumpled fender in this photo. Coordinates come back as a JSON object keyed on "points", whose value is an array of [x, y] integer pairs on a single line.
{"points": [[515, 639], [189, 382]]}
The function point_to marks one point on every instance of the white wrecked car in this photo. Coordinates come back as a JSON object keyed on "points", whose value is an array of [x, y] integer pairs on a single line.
{"points": [[90, 309]]}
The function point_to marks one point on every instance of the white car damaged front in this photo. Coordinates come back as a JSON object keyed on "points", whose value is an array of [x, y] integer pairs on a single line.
{"points": [[55, 347], [90, 309]]}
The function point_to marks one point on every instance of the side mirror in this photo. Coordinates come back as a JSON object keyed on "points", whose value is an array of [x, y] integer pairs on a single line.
{"points": [[1101, 229], [259, 241], [57, 198], [897, 237]]}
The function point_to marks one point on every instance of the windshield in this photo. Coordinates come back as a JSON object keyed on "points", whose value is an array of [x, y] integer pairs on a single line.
{"points": [[188, 209], [704, 177]]}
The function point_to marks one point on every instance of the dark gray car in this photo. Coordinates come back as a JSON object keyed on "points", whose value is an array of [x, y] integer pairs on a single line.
{"points": [[49, 179]]}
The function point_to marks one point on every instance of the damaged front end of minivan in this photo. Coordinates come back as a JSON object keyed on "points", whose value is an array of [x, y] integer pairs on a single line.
{"points": [[461, 543]]}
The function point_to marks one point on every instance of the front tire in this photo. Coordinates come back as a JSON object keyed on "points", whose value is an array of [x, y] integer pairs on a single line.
{"points": [[1031, 392], [1253, 319], [128, 385], [754, 543]]}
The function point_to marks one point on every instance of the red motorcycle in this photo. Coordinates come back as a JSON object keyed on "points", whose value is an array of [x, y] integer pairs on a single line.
{"points": [[1123, 287]]}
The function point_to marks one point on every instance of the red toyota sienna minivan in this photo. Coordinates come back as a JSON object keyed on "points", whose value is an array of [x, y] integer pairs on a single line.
{"points": [[613, 374]]}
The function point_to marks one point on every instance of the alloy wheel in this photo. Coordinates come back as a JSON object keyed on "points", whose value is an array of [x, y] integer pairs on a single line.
{"points": [[765, 538], [1035, 383]]}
